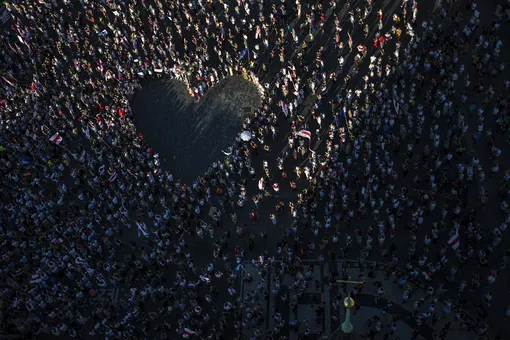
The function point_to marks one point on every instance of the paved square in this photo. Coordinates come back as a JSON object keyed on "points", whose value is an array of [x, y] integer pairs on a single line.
{"points": [[317, 311]]}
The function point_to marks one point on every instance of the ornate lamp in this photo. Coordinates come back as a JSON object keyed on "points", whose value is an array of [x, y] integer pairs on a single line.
{"points": [[349, 303]]}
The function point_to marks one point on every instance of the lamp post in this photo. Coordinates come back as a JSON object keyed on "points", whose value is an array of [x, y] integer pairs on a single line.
{"points": [[347, 326], [349, 303]]}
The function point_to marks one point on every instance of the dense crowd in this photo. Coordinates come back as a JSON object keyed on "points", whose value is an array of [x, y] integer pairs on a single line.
{"points": [[397, 136]]}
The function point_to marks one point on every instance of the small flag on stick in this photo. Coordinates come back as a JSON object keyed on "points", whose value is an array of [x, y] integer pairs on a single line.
{"points": [[454, 241], [56, 139], [304, 133]]}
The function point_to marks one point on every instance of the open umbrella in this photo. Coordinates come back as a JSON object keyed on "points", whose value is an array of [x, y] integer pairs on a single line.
{"points": [[246, 136]]}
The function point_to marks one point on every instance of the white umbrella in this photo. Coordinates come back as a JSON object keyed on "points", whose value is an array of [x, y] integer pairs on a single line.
{"points": [[246, 136]]}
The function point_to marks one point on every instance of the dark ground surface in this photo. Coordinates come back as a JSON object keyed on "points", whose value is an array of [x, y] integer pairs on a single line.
{"points": [[190, 135]]}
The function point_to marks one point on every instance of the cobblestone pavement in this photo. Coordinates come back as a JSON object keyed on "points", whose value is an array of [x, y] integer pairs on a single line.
{"points": [[320, 292]]}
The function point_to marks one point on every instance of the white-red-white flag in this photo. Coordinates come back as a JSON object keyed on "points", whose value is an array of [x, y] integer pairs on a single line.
{"points": [[56, 138], [9, 80], [143, 229], [261, 183], [188, 333], [113, 177], [304, 133], [454, 241], [80, 261], [36, 278]]}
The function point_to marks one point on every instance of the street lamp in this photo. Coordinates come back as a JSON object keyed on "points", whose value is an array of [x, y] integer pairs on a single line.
{"points": [[347, 326], [349, 303]]}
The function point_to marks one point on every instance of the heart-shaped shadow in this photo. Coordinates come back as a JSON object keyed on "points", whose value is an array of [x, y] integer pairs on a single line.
{"points": [[189, 135]]}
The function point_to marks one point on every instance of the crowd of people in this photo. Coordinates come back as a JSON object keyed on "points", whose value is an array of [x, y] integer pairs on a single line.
{"points": [[388, 93]]}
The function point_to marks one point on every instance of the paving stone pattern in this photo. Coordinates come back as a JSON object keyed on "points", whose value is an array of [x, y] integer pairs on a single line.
{"points": [[327, 326]]}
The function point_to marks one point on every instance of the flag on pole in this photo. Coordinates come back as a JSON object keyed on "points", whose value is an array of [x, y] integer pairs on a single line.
{"points": [[143, 229], [113, 177], [188, 333], [454, 241], [243, 53], [9, 80], [205, 279], [56, 139], [261, 183], [79, 260], [304, 133], [239, 266], [36, 278]]}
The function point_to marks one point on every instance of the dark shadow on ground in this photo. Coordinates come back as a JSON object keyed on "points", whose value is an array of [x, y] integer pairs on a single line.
{"points": [[188, 135]]}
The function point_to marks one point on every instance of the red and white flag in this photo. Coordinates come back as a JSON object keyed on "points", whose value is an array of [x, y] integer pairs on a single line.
{"points": [[113, 177], [36, 278], [143, 229], [454, 241], [304, 133], [261, 183], [9, 80], [79, 260], [188, 333], [56, 139]]}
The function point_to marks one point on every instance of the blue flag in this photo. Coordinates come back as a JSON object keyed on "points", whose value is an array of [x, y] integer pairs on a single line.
{"points": [[239, 266], [243, 54]]}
